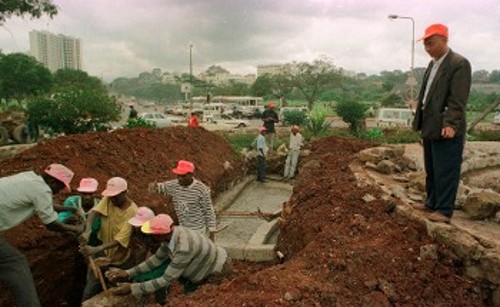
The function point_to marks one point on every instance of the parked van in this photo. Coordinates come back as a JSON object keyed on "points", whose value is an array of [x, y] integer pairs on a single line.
{"points": [[392, 117]]}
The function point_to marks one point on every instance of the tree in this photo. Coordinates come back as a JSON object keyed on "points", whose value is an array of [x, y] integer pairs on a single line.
{"points": [[77, 79], [262, 86], [352, 112], [73, 111], [310, 79], [481, 76], [33, 8], [392, 100], [22, 76]]}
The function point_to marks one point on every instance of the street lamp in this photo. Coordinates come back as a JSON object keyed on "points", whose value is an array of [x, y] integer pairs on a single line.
{"points": [[412, 82], [191, 74]]}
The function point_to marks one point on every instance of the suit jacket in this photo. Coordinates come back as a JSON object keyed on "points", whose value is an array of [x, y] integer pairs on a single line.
{"points": [[446, 100]]}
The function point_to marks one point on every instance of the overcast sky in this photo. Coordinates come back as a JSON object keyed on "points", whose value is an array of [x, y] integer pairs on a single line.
{"points": [[126, 37]]}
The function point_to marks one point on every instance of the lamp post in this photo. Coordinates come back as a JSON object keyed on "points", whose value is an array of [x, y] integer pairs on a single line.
{"points": [[191, 74], [412, 82]]}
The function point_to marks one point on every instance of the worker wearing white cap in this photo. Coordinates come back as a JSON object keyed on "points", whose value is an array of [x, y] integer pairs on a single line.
{"points": [[21, 196], [293, 153]]}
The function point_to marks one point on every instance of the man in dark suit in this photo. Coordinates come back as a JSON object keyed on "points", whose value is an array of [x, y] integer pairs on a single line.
{"points": [[440, 116]]}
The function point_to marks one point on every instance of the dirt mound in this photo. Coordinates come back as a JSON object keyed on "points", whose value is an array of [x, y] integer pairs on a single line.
{"points": [[141, 156], [341, 251]]}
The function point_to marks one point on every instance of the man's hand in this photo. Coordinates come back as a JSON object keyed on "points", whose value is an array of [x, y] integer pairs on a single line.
{"points": [[448, 132], [153, 187], [115, 273], [88, 250], [122, 289], [84, 237]]}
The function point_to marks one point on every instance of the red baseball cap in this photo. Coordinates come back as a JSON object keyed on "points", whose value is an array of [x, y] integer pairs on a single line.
{"points": [[435, 29], [183, 167]]}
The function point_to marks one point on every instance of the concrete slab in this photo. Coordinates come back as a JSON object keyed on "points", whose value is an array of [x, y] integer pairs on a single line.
{"points": [[246, 236]]}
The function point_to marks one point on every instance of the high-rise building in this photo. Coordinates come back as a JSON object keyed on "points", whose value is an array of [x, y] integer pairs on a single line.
{"points": [[56, 51]]}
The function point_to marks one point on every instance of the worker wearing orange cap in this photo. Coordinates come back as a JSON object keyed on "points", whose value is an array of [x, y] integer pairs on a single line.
{"points": [[440, 117], [270, 117]]}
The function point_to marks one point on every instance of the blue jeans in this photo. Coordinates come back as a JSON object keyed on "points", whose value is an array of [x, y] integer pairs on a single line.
{"points": [[15, 273], [261, 168], [442, 159]]}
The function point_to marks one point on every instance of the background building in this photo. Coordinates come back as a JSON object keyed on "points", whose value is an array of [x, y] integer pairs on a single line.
{"points": [[56, 51]]}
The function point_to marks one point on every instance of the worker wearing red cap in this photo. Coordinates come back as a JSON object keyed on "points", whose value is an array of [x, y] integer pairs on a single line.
{"points": [[270, 117], [191, 198], [21, 196], [440, 117]]}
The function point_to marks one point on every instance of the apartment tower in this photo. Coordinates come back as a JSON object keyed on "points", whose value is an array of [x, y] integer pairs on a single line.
{"points": [[56, 51]]}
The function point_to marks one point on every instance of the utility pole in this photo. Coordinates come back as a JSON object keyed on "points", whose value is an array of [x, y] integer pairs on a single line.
{"points": [[411, 81], [191, 74]]}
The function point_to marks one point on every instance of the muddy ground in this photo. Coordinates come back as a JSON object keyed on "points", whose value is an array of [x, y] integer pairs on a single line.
{"points": [[339, 250]]}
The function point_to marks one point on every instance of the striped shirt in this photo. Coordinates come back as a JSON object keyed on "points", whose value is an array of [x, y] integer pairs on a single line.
{"points": [[192, 204], [193, 256]]}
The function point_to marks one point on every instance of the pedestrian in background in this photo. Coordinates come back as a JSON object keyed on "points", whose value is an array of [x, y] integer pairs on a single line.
{"points": [[193, 120], [441, 118], [270, 118], [262, 149], [293, 153], [132, 112]]}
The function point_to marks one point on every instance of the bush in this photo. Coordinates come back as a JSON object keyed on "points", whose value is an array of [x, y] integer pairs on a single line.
{"points": [[484, 135], [401, 136], [294, 117], [353, 113], [139, 122], [73, 111], [317, 125]]}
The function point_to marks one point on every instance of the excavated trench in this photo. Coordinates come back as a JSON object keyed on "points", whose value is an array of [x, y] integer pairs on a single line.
{"points": [[247, 217]]}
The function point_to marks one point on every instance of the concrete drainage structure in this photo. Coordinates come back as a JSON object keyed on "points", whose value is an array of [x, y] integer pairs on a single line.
{"points": [[244, 234]]}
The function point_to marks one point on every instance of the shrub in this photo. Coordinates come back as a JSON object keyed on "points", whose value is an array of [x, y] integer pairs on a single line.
{"points": [[73, 111], [294, 117], [139, 122], [317, 125], [353, 113]]}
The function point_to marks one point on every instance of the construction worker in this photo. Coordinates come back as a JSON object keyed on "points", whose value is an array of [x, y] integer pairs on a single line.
{"points": [[293, 153], [114, 211], [21, 196], [192, 255], [193, 120], [261, 145], [132, 112], [270, 117], [191, 198]]}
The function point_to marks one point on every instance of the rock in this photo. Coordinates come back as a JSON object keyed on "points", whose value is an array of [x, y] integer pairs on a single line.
{"points": [[375, 299], [372, 284], [292, 295], [415, 197], [400, 178], [386, 167], [312, 165], [388, 289], [368, 198], [282, 150], [417, 181], [105, 299], [428, 251], [482, 204], [305, 152], [368, 155], [495, 297], [371, 165]]}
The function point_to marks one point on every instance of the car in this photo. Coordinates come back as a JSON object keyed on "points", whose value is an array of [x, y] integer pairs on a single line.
{"points": [[496, 119], [159, 119], [231, 122]]}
